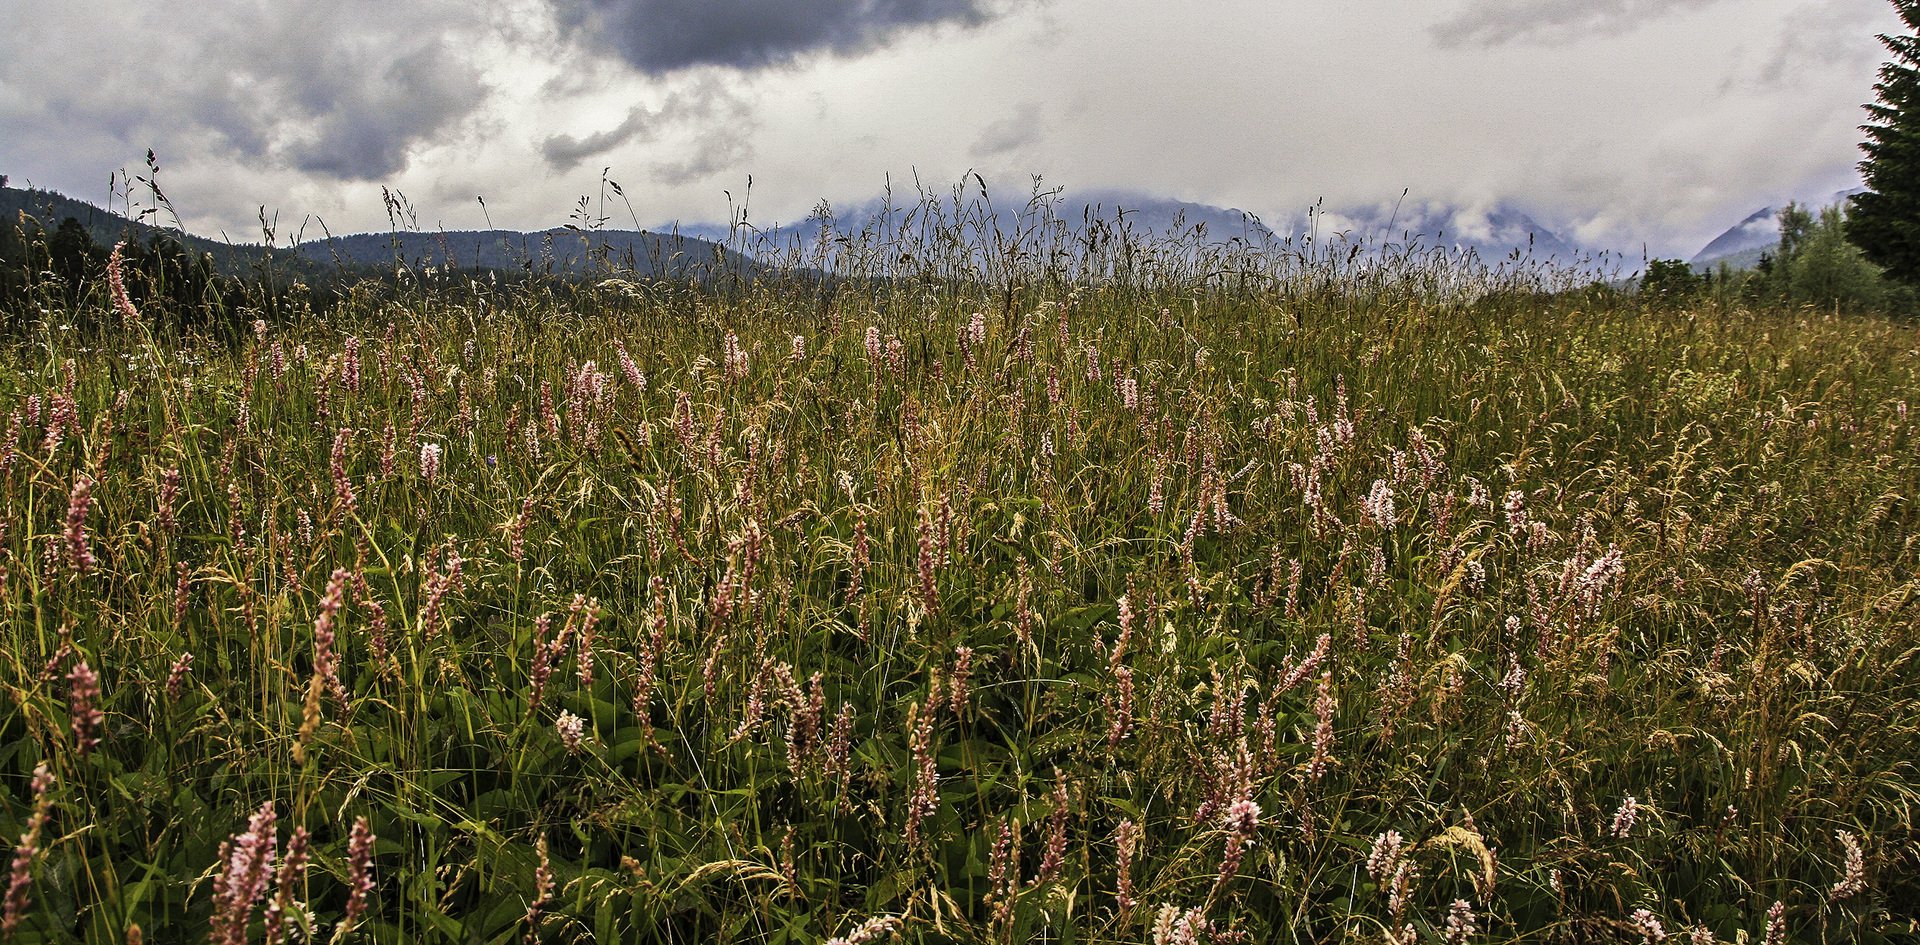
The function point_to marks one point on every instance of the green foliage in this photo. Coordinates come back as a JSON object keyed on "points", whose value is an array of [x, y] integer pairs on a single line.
{"points": [[1885, 220], [15, 270], [175, 289], [73, 259], [1670, 282], [1815, 264]]}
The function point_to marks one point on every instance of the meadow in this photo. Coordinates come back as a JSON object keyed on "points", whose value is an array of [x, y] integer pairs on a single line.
{"points": [[989, 594]]}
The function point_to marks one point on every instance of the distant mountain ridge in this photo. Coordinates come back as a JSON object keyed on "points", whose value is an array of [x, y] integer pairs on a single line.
{"points": [[1149, 217], [560, 250], [1493, 233]]}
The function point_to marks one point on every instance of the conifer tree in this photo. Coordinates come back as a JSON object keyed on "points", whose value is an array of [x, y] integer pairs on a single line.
{"points": [[1885, 219]]}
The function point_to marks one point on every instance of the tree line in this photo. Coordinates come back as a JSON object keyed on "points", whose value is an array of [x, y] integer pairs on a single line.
{"points": [[1815, 263], [61, 271]]}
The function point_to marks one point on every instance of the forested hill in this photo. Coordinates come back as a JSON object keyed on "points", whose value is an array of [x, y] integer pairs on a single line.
{"points": [[560, 251], [45, 210]]}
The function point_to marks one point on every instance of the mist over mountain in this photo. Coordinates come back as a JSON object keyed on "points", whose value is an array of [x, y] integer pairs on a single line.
{"points": [[1141, 216], [1743, 243], [1752, 236], [1490, 233]]}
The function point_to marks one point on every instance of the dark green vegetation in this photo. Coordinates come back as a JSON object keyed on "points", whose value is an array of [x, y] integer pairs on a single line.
{"points": [[1019, 588], [1885, 220]]}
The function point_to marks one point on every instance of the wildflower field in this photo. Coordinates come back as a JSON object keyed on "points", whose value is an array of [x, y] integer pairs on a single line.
{"points": [[968, 604]]}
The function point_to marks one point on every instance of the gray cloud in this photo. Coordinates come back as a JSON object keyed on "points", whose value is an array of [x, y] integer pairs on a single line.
{"points": [[565, 152], [713, 118], [1495, 22], [1011, 133], [1824, 35], [345, 91], [711, 153], [365, 129], [658, 36], [724, 127]]}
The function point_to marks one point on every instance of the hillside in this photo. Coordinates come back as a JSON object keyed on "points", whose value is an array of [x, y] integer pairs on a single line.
{"points": [[46, 209], [558, 251]]}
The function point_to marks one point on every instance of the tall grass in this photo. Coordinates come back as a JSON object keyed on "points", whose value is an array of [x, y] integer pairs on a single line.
{"points": [[966, 590]]}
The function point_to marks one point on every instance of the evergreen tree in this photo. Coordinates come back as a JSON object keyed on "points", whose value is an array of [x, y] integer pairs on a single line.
{"points": [[74, 257], [15, 267], [1885, 222]]}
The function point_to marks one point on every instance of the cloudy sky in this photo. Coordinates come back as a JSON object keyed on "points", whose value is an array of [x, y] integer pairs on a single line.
{"points": [[1619, 122]]}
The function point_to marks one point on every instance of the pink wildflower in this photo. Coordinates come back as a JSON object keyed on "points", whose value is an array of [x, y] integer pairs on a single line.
{"points": [[117, 283], [79, 502], [83, 692], [21, 876]]}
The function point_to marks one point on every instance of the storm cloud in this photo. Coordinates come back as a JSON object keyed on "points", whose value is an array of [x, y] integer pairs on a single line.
{"points": [[363, 124], [565, 152], [344, 90], [659, 36], [1623, 123]]}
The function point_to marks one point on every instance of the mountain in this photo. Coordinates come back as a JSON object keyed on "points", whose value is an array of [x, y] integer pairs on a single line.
{"points": [[1144, 217], [1743, 243], [1491, 233], [559, 251], [1756, 234]]}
